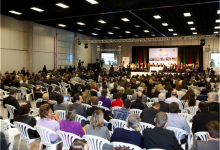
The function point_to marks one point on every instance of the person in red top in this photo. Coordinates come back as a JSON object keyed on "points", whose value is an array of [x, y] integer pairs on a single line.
{"points": [[118, 101]]}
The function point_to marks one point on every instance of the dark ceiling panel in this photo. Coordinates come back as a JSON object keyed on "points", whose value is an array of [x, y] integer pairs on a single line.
{"points": [[139, 12]]}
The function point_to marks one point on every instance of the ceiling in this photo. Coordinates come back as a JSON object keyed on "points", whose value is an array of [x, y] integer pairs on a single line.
{"points": [[139, 12]]}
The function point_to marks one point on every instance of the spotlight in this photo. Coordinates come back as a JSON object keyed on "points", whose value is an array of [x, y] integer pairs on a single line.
{"points": [[86, 45], [202, 42]]}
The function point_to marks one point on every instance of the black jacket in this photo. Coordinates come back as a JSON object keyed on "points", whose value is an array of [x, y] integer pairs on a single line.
{"points": [[160, 138], [148, 115], [96, 66], [200, 120], [53, 96], [37, 95], [90, 111], [134, 86], [31, 122], [137, 104], [11, 101], [38, 104], [114, 91], [164, 106], [214, 106], [73, 92], [124, 96]]}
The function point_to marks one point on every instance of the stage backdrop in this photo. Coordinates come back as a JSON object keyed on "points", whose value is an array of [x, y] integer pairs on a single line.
{"points": [[163, 55], [186, 54]]}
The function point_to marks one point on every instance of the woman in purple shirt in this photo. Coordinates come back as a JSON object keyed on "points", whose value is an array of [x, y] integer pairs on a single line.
{"points": [[47, 120], [69, 125]]}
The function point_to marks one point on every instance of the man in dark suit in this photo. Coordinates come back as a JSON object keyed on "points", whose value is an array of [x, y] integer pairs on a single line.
{"points": [[14, 83], [54, 94], [38, 93], [213, 102], [149, 114], [45, 101], [94, 103], [163, 106], [212, 128], [96, 67], [199, 120], [79, 64], [159, 137], [114, 90], [137, 104], [121, 90]]}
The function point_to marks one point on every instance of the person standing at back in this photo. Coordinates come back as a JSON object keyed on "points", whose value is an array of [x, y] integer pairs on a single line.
{"points": [[96, 69]]}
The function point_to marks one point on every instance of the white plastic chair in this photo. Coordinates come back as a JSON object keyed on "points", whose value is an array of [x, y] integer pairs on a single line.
{"points": [[212, 84], [202, 135], [45, 137], [23, 130], [65, 88], [116, 123], [39, 100], [178, 133], [68, 103], [163, 91], [95, 142], [86, 105], [188, 117], [36, 111], [115, 108], [143, 125], [136, 111], [184, 90], [130, 146], [24, 93], [98, 94], [80, 118], [106, 109], [201, 88], [53, 86], [155, 99], [149, 104], [11, 110], [192, 110], [61, 114], [9, 132], [129, 97], [67, 139]]}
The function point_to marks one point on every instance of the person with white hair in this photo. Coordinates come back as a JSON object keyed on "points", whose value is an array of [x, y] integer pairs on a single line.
{"points": [[174, 99], [121, 90], [213, 101], [144, 98], [130, 133], [163, 106]]}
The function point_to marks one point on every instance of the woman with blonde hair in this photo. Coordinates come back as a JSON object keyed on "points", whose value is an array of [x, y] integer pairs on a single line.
{"points": [[70, 125], [130, 133], [97, 128], [93, 86], [86, 94]]}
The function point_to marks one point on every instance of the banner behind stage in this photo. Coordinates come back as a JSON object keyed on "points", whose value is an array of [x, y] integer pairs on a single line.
{"points": [[163, 55], [126, 61]]}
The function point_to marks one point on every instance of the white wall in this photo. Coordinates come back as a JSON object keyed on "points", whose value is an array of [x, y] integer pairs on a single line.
{"points": [[127, 47], [13, 45]]}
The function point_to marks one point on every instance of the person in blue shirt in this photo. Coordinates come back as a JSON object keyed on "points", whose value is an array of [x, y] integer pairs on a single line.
{"points": [[123, 113]]}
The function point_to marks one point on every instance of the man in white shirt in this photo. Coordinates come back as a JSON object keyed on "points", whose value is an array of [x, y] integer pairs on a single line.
{"points": [[174, 99]]}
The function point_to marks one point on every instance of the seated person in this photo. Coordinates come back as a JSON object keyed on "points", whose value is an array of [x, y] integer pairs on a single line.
{"points": [[114, 90], [45, 101], [121, 90], [213, 142], [206, 90], [75, 90], [130, 133], [70, 125], [118, 102], [128, 90], [60, 103], [47, 120], [159, 137], [53, 95], [79, 144], [123, 113], [38, 93], [137, 104], [24, 117], [103, 101]]}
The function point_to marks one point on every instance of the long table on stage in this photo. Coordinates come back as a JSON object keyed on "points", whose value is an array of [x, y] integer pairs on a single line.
{"points": [[156, 69]]}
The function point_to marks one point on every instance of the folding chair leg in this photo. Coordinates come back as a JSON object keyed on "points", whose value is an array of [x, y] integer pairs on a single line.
{"points": [[11, 140], [19, 143]]}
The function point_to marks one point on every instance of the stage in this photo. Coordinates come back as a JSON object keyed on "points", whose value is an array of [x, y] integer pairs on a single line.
{"points": [[148, 73]]}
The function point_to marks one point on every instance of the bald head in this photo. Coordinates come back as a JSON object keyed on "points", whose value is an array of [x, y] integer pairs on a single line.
{"points": [[45, 97], [139, 95]]}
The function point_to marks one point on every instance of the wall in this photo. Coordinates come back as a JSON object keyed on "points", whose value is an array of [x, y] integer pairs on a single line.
{"points": [[13, 47], [127, 47]]}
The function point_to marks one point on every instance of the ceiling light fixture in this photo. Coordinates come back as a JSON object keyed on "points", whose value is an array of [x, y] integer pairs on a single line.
{"points": [[116, 27], [217, 21], [110, 33], [153, 35], [186, 14], [146, 31], [62, 5], [127, 32], [62, 25], [194, 32], [101, 21], [164, 24], [94, 34], [97, 29], [92, 1], [157, 17], [80, 23], [125, 19], [190, 22], [170, 29], [136, 35], [15, 12], [192, 28], [216, 32], [218, 12], [217, 27], [37, 9], [137, 26], [174, 33], [79, 30]]}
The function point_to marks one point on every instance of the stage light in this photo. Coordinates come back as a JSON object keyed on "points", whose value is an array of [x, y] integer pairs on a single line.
{"points": [[170, 29], [97, 29], [136, 35], [62, 5], [61, 25], [153, 35], [217, 21], [92, 1], [94, 34], [15, 12], [80, 23], [127, 32], [217, 27], [216, 32], [164, 24], [146, 31], [116, 27], [190, 22], [186, 14], [86, 45], [202, 42], [37, 9], [194, 32], [101, 21], [110, 33], [125, 19], [192, 28], [174, 33], [218, 12], [157, 17], [137, 26]]}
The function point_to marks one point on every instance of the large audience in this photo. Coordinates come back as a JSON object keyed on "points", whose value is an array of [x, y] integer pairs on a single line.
{"points": [[159, 98]]}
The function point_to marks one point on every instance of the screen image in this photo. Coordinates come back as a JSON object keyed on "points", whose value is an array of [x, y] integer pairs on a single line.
{"points": [[66, 98], [109, 58], [163, 55], [214, 58]]}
